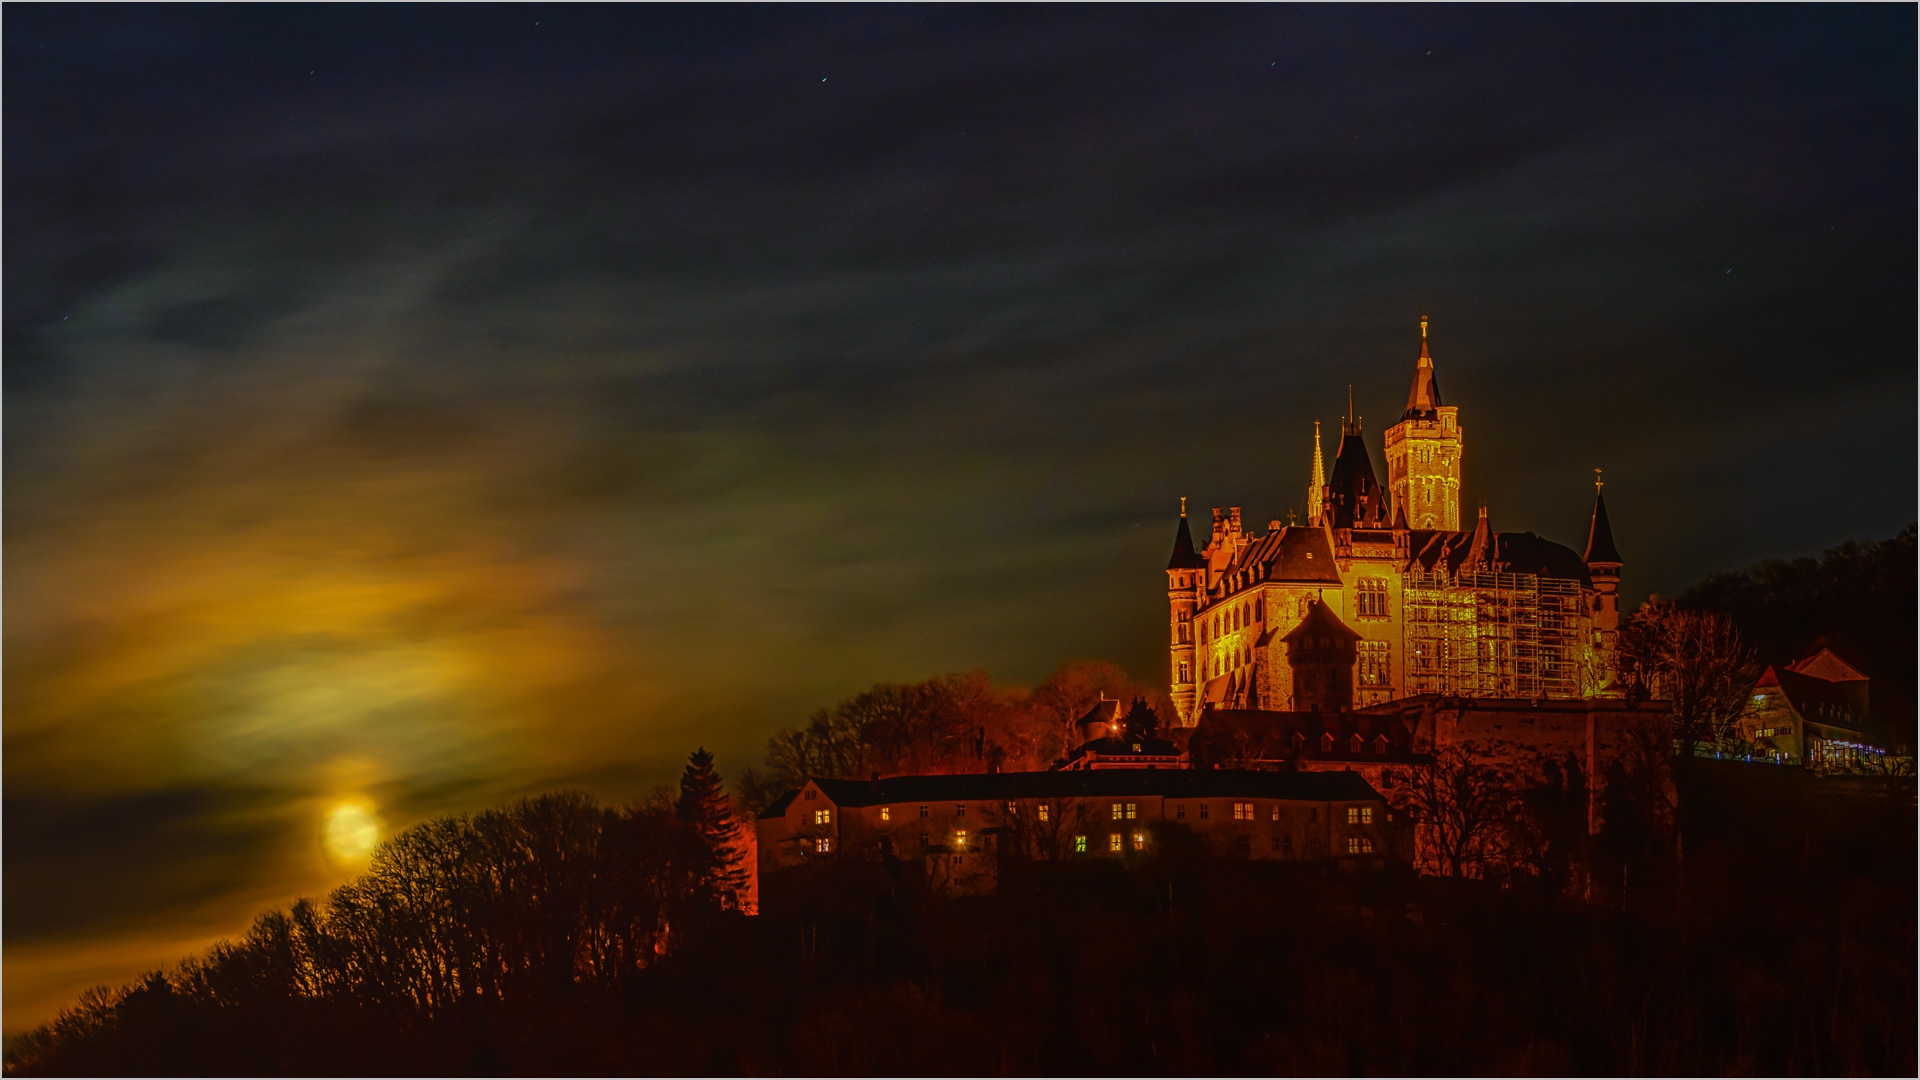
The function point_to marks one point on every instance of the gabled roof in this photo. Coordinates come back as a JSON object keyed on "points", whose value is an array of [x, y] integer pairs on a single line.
{"points": [[1184, 557], [1095, 783], [1825, 665], [1321, 622], [1600, 547]]}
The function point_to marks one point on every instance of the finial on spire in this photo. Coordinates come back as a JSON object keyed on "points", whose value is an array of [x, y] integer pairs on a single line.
{"points": [[1597, 482], [1423, 328], [1425, 360], [1349, 405], [1183, 506]]}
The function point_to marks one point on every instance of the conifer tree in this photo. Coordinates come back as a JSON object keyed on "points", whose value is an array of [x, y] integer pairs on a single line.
{"points": [[703, 805]]}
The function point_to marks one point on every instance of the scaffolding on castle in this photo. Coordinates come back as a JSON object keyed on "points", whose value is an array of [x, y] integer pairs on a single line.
{"points": [[1483, 634]]}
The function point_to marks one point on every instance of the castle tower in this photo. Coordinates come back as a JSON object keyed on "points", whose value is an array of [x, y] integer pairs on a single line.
{"points": [[1321, 652], [1186, 579], [1603, 562], [1424, 451], [1317, 486]]}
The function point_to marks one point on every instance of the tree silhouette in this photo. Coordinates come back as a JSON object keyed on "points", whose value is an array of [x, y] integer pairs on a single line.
{"points": [[704, 805]]}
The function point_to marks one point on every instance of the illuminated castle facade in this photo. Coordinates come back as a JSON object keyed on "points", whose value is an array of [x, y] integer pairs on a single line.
{"points": [[1438, 609]]}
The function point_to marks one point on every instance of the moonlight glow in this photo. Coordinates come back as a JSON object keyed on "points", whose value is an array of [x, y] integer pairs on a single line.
{"points": [[352, 831]]}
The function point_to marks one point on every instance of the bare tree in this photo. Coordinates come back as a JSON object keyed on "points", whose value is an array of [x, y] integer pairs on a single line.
{"points": [[1695, 661], [1463, 809]]}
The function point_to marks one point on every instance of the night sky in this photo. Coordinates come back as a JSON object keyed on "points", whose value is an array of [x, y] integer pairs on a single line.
{"points": [[426, 406]]}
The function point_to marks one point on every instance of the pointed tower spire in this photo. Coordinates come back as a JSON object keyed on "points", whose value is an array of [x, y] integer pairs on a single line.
{"points": [[1317, 485], [1184, 557], [1424, 398], [1600, 549]]}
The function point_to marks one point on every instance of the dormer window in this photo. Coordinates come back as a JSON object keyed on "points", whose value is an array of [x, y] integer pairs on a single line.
{"points": [[1326, 743]]}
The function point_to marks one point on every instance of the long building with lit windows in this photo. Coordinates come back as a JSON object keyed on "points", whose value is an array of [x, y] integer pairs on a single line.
{"points": [[1438, 609]]}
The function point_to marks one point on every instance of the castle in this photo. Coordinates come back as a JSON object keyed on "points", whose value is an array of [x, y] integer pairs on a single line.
{"points": [[1437, 609]]}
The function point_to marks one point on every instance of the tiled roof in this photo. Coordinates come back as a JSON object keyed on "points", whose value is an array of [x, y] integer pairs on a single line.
{"points": [[1291, 553], [1510, 553], [1095, 783], [1321, 620]]}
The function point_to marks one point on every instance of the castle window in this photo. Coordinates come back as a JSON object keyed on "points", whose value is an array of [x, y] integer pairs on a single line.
{"points": [[1243, 811], [1180, 811], [1258, 607], [1243, 845], [1375, 660], [824, 845], [1010, 809], [925, 840], [1043, 811], [960, 838], [886, 813], [1113, 842], [823, 817], [1359, 845], [959, 809], [1353, 815], [1132, 808], [1372, 599], [1203, 811], [1366, 815], [1276, 811], [1139, 841], [809, 794], [1116, 811], [1185, 672], [923, 810], [1080, 844]]}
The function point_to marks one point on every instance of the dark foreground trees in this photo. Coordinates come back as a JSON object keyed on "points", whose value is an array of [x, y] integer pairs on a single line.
{"points": [[558, 937]]}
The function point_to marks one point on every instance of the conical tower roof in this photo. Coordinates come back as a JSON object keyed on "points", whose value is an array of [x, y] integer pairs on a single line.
{"points": [[1600, 547], [1184, 557]]}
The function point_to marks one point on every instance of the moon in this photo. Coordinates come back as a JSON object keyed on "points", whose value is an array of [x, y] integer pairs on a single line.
{"points": [[352, 831]]}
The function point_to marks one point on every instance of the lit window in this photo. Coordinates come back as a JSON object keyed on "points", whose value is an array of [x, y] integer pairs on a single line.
{"points": [[1366, 815], [1043, 811], [1118, 810], [1276, 811], [1132, 811], [1080, 843], [1374, 660], [1139, 841], [886, 813], [823, 817], [960, 838], [823, 845], [1203, 811], [1113, 842], [1243, 811], [1353, 815], [1010, 809], [1359, 845], [1372, 599]]}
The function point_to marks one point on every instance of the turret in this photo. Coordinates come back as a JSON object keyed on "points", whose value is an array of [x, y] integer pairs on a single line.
{"points": [[1320, 655], [1186, 579], [1603, 563]]}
